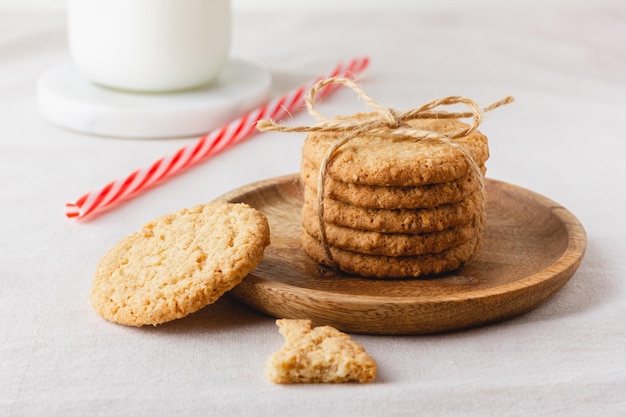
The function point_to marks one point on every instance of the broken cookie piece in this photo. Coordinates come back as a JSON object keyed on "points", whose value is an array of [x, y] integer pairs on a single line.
{"points": [[316, 355]]}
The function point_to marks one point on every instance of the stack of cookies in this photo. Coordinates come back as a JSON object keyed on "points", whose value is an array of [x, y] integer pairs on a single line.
{"points": [[395, 207]]}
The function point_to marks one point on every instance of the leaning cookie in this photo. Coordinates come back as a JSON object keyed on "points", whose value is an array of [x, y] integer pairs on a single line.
{"points": [[179, 263]]}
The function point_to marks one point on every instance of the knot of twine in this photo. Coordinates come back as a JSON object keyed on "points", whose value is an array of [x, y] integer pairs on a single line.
{"points": [[387, 123]]}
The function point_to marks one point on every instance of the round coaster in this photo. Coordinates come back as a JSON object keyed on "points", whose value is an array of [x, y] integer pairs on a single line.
{"points": [[69, 100]]}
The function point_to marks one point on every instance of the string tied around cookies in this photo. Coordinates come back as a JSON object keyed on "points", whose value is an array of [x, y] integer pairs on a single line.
{"points": [[387, 123]]}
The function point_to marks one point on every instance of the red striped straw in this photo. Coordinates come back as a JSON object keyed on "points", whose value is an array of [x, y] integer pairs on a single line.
{"points": [[115, 192]]}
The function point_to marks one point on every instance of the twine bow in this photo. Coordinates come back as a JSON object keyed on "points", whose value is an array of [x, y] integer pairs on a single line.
{"points": [[387, 123]]}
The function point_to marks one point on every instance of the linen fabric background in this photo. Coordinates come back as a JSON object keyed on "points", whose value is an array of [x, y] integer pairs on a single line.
{"points": [[564, 138]]}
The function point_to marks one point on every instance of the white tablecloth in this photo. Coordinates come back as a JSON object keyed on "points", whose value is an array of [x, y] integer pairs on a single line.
{"points": [[564, 137]]}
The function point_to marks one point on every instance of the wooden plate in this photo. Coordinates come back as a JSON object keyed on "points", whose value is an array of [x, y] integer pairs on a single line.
{"points": [[531, 248]]}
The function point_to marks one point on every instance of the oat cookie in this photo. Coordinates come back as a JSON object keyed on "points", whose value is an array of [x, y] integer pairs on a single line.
{"points": [[393, 267], [179, 263], [374, 160], [382, 197], [397, 220], [392, 244], [316, 355]]}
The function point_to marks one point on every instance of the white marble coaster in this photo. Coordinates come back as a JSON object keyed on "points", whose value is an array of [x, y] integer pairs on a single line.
{"points": [[68, 100]]}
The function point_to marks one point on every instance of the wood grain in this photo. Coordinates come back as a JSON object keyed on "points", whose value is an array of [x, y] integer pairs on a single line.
{"points": [[531, 248]]}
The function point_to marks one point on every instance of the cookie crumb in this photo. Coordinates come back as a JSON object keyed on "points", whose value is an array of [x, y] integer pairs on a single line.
{"points": [[318, 355]]}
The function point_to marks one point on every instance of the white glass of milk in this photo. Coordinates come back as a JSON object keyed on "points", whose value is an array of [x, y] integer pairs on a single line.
{"points": [[150, 45]]}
